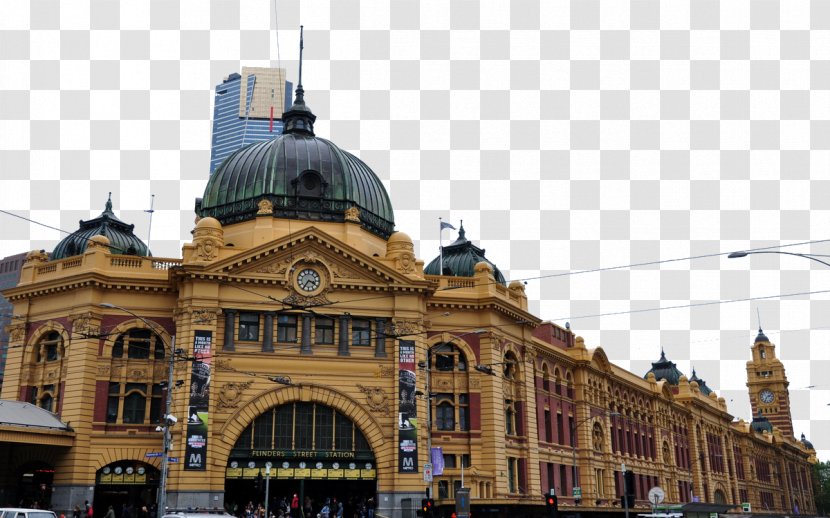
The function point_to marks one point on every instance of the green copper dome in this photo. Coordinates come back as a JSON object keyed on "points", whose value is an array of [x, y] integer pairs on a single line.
{"points": [[760, 423], [120, 234], [460, 259], [303, 177], [701, 384], [665, 370]]}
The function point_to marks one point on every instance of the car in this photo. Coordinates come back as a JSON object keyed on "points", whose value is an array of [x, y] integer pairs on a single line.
{"points": [[16, 512], [201, 513]]}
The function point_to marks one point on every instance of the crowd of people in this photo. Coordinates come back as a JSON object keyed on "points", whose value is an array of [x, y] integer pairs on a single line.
{"points": [[291, 507]]}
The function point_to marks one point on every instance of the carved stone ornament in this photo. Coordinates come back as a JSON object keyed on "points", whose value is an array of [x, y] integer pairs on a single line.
{"points": [[37, 256], [296, 299], [204, 316], [17, 333], [207, 249], [344, 273], [83, 326], [404, 327], [475, 383], [405, 262], [597, 438], [52, 374], [386, 371], [222, 364], [444, 384], [312, 257], [265, 207], [103, 370], [376, 398], [275, 267], [231, 393], [352, 214], [138, 374]]}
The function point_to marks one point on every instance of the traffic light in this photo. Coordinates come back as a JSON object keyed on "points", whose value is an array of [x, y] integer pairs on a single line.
{"points": [[427, 507], [551, 505]]}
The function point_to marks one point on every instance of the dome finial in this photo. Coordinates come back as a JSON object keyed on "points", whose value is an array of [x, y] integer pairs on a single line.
{"points": [[299, 119], [461, 232], [108, 205], [662, 354]]}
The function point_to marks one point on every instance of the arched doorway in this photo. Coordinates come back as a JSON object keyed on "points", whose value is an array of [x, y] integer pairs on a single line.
{"points": [[720, 497], [129, 482], [34, 485], [314, 451]]}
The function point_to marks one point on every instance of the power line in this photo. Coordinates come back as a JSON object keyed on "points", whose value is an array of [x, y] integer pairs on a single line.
{"points": [[691, 305], [111, 246]]}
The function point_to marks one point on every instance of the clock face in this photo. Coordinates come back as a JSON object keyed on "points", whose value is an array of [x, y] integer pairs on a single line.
{"points": [[767, 396], [285, 464], [308, 280]]}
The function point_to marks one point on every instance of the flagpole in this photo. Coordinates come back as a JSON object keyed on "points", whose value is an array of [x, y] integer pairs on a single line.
{"points": [[440, 247]]}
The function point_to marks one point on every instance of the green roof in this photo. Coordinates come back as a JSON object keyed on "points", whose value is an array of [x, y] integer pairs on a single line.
{"points": [[460, 259]]}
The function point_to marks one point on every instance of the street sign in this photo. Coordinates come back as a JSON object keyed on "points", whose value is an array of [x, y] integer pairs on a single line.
{"points": [[656, 495], [577, 492], [428, 472], [153, 454], [746, 507], [462, 502], [172, 459]]}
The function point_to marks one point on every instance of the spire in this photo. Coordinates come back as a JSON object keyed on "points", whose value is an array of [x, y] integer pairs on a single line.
{"points": [[108, 205], [662, 355], [299, 119]]}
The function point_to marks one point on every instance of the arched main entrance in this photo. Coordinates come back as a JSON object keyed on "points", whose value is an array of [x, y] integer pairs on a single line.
{"points": [[34, 485], [127, 482], [314, 451]]}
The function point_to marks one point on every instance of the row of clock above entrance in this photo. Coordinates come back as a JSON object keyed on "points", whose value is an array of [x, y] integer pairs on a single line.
{"points": [[270, 328]]}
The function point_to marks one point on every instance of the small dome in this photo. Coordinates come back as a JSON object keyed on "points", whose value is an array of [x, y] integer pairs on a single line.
{"points": [[461, 258], [761, 424], [121, 239], [664, 369], [761, 336], [704, 389], [806, 443], [399, 236], [209, 222]]}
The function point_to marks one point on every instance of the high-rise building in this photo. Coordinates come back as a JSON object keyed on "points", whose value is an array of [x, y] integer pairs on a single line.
{"points": [[247, 109], [9, 276]]}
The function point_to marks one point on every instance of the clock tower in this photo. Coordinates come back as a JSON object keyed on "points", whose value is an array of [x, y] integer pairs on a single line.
{"points": [[767, 384]]}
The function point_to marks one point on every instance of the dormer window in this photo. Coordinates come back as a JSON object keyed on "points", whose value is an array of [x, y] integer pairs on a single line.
{"points": [[310, 183]]}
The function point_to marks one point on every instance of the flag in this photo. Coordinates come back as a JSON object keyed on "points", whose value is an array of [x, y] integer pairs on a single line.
{"points": [[437, 455], [446, 225]]}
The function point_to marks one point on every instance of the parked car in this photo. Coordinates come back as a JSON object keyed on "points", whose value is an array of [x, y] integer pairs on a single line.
{"points": [[14, 512]]}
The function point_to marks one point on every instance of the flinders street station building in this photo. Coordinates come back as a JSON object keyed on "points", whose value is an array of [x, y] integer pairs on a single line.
{"points": [[299, 343]]}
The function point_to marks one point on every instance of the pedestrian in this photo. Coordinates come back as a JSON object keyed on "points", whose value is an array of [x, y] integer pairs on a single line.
{"points": [[307, 507], [76, 513], [89, 509], [295, 506], [325, 512], [110, 513]]}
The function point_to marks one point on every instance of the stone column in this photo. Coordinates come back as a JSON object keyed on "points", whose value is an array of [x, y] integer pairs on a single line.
{"points": [[343, 344], [380, 338], [230, 325], [268, 333], [305, 341]]}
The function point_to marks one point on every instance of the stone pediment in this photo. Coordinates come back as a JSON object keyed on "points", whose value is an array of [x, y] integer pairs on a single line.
{"points": [[341, 264]]}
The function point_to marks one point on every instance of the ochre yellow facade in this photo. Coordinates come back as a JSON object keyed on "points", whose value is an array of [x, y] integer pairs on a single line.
{"points": [[506, 390]]}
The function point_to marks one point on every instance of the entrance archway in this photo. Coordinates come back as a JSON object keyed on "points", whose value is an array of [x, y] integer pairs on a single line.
{"points": [[127, 482], [314, 451], [720, 497]]}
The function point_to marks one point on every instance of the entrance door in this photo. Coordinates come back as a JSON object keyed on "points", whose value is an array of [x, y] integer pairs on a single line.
{"points": [[125, 483], [314, 451], [34, 487]]}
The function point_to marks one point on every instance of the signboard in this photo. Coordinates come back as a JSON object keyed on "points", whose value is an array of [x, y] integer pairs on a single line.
{"points": [[335, 473], [319, 473], [713, 515], [746, 507], [285, 473], [407, 410], [427, 472], [172, 459], [153, 454], [462, 502], [233, 473], [577, 492], [352, 474], [197, 415]]}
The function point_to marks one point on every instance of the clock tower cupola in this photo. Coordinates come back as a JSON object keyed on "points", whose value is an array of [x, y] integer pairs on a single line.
{"points": [[767, 384]]}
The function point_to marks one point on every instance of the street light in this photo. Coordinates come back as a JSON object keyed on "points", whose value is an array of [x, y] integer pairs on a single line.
{"points": [[168, 419], [812, 257], [574, 427]]}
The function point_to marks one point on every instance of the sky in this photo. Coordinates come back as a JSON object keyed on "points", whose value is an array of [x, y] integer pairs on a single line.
{"points": [[573, 138]]}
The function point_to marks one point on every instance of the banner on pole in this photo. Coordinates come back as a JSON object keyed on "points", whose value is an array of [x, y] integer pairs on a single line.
{"points": [[198, 409], [407, 411]]}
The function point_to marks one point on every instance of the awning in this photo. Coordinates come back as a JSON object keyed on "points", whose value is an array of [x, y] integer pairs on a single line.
{"points": [[19, 413], [705, 507]]}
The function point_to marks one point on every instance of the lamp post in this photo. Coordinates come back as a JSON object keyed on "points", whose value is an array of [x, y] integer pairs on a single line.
{"points": [[812, 257], [169, 420], [575, 427]]}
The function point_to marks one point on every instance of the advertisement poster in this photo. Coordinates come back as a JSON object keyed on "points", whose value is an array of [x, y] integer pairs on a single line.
{"points": [[407, 411], [197, 416]]}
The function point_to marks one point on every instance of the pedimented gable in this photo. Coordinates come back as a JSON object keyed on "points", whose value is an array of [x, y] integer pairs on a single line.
{"points": [[341, 264]]}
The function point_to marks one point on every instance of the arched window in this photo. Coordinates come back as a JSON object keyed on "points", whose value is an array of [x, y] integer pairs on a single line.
{"points": [[545, 378], [511, 366], [46, 402], [509, 417], [50, 347], [135, 402], [452, 405], [445, 413], [448, 357], [139, 343]]}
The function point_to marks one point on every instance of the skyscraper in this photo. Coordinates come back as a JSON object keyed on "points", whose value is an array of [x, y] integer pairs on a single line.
{"points": [[247, 109]]}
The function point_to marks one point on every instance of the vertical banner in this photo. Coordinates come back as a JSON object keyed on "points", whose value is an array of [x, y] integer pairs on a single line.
{"points": [[197, 420], [407, 411], [437, 461]]}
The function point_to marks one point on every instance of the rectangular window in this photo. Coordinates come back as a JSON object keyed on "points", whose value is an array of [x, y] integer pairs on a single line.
{"points": [[560, 428], [287, 329], [509, 418], [155, 404], [323, 428], [511, 475], [456, 485], [283, 436], [551, 480], [565, 489], [548, 427], [361, 331], [112, 402], [443, 489], [449, 460], [599, 478], [264, 431], [465, 460], [324, 328], [303, 427], [343, 432], [249, 327], [463, 412], [445, 412]]}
